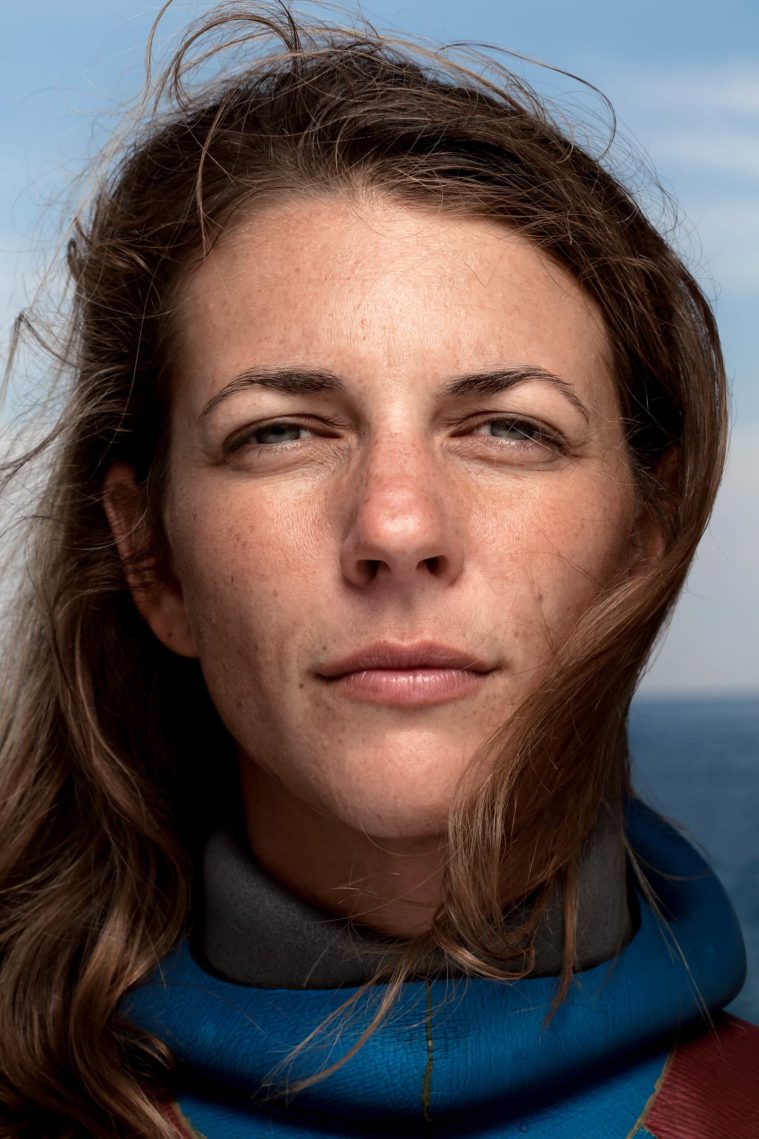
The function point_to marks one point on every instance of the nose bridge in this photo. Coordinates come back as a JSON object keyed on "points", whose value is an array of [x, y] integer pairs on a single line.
{"points": [[403, 521], [397, 475]]}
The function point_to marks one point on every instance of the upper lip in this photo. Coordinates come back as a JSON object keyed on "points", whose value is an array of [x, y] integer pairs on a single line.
{"points": [[419, 654]]}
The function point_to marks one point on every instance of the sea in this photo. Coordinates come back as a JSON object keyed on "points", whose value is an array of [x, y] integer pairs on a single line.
{"points": [[697, 761]]}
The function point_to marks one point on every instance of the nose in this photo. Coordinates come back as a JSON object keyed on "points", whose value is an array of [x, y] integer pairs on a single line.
{"points": [[403, 520]]}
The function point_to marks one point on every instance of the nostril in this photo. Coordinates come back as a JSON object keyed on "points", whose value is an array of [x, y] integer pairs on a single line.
{"points": [[370, 568]]}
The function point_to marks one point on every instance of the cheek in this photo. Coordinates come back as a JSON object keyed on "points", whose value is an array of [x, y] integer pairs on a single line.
{"points": [[244, 571], [226, 540], [558, 547]]}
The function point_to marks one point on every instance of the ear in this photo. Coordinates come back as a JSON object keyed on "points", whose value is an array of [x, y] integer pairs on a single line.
{"points": [[648, 543], [159, 601], [649, 536]]}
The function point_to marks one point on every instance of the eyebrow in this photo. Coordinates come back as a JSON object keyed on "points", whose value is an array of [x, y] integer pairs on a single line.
{"points": [[291, 381], [308, 381], [491, 383]]}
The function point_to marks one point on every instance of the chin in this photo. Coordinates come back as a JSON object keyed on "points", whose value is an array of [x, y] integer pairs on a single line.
{"points": [[403, 805]]}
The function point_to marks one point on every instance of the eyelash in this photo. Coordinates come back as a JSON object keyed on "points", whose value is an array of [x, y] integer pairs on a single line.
{"points": [[246, 437], [529, 430]]}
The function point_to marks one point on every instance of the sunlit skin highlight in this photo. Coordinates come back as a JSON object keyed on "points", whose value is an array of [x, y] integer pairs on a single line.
{"points": [[334, 482]]}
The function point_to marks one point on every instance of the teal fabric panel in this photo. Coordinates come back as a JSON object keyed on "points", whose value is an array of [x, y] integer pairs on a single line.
{"points": [[496, 1064]]}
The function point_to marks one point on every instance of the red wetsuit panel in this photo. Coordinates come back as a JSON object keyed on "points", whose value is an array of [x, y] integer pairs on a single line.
{"points": [[711, 1087]]}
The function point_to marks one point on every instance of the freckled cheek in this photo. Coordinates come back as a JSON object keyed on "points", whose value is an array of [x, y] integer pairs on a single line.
{"points": [[246, 571], [581, 558], [547, 557]]}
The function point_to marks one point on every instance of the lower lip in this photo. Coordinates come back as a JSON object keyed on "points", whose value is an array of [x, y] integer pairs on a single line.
{"points": [[408, 686]]}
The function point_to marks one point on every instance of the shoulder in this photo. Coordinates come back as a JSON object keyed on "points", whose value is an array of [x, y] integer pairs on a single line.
{"points": [[708, 1089]]}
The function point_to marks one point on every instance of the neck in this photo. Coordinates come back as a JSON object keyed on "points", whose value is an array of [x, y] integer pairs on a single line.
{"points": [[391, 885], [254, 928]]}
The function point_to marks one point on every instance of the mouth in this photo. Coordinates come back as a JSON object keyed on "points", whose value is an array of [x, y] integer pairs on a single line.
{"points": [[406, 674]]}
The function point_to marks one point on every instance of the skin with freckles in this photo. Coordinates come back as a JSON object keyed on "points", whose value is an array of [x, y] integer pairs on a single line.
{"points": [[387, 426]]}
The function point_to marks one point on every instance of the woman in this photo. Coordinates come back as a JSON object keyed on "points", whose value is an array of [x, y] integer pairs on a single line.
{"points": [[392, 429]]}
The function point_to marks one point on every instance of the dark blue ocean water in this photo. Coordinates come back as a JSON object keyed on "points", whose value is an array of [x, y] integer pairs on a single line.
{"points": [[698, 762]]}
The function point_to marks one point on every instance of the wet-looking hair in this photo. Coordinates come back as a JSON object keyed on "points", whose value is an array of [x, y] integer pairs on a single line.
{"points": [[105, 734]]}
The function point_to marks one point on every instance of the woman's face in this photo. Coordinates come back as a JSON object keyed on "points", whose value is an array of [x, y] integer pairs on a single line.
{"points": [[397, 477]]}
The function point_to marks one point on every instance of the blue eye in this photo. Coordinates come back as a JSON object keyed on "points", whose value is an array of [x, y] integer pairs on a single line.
{"points": [[517, 431], [507, 429], [266, 437], [276, 433]]}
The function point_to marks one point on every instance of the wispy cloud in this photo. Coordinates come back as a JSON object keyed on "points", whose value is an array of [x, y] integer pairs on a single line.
{"points": [[721, 240], [729, 87], [725, 153], [701, 128]]}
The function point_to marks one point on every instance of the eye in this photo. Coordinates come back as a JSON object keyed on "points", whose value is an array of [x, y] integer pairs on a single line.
{"points": [[267, 435], [520, 433], [277, 433]]}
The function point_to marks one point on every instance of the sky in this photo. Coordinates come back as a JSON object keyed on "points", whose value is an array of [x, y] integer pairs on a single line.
{"points": [[684, 81]]}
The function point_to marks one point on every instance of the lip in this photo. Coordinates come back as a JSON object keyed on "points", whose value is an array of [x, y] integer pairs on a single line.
{"points": [[411, 675], [397, 656]]}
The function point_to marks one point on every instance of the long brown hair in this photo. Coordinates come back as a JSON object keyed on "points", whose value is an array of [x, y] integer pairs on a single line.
{"points": [[105, 733]]}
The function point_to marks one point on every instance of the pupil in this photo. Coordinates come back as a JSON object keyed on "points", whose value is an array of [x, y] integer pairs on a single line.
{"points": [[504, 427], [277, 433]]}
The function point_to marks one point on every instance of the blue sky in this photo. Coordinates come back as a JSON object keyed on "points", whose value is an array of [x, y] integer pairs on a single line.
{"points": [[684, 80]]}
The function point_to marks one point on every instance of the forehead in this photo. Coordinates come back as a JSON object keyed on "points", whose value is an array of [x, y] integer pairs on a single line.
{"points": [[359, 285]]}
